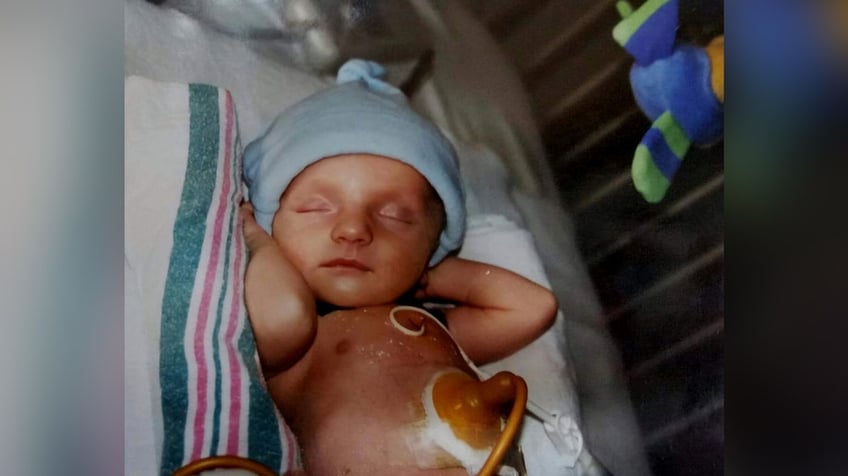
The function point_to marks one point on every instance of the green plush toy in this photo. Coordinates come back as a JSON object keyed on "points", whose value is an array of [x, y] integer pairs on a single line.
{"points": [[680, 87]]}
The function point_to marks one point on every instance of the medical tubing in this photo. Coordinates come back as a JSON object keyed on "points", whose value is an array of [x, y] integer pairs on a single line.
{"points": [[516, 415], [224, 462], [513, 423], [533, 408], [402, 328]]}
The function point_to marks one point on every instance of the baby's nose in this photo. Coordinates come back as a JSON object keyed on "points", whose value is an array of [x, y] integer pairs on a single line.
{"points": [[353, 228]]}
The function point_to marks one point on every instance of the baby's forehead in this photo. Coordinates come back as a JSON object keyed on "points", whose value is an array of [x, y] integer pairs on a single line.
{"points": [[366, 171], [356, 166]]}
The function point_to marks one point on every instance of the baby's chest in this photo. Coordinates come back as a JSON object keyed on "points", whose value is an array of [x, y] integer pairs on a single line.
{"points": [[362, 356], [372, 337]]}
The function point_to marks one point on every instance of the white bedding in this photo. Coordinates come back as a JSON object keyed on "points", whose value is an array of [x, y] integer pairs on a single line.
{"points": [[516, 220]]}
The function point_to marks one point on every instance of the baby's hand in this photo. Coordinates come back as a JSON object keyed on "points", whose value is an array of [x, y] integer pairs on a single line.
{"points": [[254, 235]]}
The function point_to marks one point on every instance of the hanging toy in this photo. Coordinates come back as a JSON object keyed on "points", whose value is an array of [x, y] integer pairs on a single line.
{"points": [[680, 87]]}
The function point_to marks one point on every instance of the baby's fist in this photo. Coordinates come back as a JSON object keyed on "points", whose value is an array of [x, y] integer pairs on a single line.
{"points": [[254, 235]]}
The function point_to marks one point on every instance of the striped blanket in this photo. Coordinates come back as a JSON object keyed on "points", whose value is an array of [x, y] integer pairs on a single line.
{"points": [[183, 186]]}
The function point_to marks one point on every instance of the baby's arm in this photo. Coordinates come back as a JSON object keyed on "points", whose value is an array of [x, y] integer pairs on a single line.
{"points": [[497, 312], [279, 302]]}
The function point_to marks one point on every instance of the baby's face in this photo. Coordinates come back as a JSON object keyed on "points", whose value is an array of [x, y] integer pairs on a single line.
{"points": [[360, 228]]}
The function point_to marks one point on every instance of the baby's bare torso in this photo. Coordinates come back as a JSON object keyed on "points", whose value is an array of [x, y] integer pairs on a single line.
{"points": [[354, 400]]}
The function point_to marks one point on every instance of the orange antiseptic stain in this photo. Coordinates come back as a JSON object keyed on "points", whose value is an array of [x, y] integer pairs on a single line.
{"points": [[472, 408]]}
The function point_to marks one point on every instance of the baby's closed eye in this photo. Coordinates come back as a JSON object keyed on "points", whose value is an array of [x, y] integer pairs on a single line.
{"points": [[397, 212], [313, 205]]}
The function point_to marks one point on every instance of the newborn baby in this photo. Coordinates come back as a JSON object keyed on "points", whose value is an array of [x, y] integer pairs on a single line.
{"points": [[358, 206]]}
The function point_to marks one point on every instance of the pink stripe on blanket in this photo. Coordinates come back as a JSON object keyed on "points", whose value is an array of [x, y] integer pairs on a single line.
{"points": [[233, 432], [235, 387], [206, 297]]}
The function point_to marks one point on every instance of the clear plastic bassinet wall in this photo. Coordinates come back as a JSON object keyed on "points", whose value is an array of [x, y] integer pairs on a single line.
{"points": [[658, 268]]}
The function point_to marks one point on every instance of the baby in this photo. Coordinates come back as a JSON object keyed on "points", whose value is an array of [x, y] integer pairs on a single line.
{"points": [[358, 206]]}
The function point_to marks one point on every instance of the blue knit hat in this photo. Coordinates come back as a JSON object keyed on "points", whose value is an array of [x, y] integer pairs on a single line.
{"points": [[362, 114]]}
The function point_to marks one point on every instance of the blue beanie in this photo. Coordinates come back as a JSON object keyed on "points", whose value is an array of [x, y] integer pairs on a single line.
{"points": [[362, 114]]}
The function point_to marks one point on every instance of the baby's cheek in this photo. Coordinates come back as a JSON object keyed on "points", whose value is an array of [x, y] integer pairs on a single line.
{"points": [[298, 252]]}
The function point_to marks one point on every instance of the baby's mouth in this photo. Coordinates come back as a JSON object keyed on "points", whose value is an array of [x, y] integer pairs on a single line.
{"points": [[345, 263]]}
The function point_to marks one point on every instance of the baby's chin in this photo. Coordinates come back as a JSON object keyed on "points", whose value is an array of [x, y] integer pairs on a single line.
{"points": [[356, 297]]}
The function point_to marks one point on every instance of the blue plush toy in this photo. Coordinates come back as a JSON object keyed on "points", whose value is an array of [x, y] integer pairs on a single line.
{"points": [[680, 87]]}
